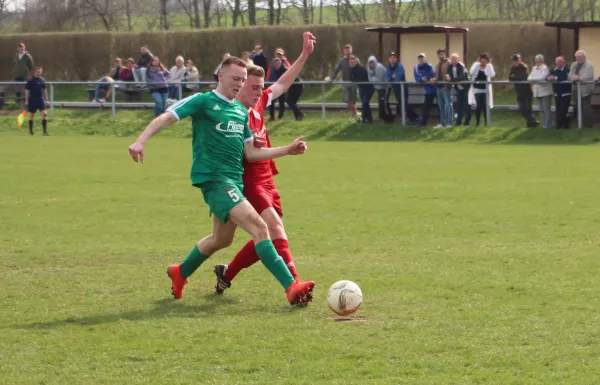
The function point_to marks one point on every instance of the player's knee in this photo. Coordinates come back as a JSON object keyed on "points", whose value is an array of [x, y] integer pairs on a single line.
{"points": [[221, 241], [261, 231], [276, 231]]}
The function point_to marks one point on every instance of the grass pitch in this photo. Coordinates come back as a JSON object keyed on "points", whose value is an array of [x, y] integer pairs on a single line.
{"points": [[478, 262]]}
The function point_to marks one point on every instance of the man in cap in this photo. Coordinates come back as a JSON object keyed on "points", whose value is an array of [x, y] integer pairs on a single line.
{"points": [[395, 73], [424, 72]]}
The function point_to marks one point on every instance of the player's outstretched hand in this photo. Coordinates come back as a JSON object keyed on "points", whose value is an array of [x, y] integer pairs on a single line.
{"points": [[136, 151], [259, 142], [309, 41], [297, 147]]}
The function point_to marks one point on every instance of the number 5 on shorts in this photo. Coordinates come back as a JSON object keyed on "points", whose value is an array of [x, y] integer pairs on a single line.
{"points": [[233, 195]]}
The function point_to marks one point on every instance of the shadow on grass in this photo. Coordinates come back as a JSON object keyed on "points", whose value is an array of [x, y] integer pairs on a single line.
{"points": [[163, 308]]}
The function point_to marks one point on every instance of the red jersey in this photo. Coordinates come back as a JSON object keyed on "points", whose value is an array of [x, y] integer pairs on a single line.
{"points": [[258, 172]]}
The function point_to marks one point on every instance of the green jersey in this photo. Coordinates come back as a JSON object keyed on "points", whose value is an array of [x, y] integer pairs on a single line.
{"points": [[220, 129]]}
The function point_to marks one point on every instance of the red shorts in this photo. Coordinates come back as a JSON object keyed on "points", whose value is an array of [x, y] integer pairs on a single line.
{"points": [[262, 196]]}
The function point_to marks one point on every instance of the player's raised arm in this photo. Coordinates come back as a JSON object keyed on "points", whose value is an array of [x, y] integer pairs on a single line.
{"points": [[254, 154], [287, 79]]}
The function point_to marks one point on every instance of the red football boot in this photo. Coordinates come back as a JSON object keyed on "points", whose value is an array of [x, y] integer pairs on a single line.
{"points": [[177, 281], [300, 293]]}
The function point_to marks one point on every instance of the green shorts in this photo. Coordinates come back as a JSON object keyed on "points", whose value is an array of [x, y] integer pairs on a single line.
{"points": [[221, 197], [349, 93]]}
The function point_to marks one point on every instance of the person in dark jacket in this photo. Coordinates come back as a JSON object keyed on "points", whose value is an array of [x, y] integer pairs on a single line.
{"points": [[520, 72], [258, 57], [458, 73], [562, 92], [395, 73], [23, 66], [144, 60], [274, 75], [359, 74], [424, 73]]}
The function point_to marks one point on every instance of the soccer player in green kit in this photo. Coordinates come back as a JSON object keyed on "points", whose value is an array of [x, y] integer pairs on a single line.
{"points": [[221, 140]]}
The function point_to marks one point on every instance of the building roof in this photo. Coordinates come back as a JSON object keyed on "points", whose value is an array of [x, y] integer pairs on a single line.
{"points": [[417, 29], [573, 24]]}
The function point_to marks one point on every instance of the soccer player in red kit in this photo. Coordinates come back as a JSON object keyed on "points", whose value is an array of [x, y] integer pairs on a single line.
{"points": [[259, 186]]}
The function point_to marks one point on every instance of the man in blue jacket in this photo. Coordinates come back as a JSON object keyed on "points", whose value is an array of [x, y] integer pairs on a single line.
{"points": [[395, 73], [424, 72]]}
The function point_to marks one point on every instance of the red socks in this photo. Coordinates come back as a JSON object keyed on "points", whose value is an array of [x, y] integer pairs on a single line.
{"points": [[281, 245], [247, 257]]}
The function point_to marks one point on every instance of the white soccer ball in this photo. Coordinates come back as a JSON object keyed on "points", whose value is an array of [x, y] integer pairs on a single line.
{"points": [[344, 297], [327, 79]]}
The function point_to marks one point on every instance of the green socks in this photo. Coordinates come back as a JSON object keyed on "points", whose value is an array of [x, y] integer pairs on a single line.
{"points": [[194, 259], [273, 262]]}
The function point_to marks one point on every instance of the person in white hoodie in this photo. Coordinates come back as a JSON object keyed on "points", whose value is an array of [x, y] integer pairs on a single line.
{"points": [[177, 74], [377, 75], [542, 91]]}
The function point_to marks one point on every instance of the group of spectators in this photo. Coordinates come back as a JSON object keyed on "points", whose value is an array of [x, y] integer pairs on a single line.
{"points": [[149, 72], [449, 75], [559, 82]]}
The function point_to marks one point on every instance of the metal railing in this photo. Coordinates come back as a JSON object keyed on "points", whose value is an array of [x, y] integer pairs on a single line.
{"points": [[323, 84]]}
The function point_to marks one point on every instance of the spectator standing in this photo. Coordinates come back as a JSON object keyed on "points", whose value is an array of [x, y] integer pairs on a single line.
{"points": [[143, 62], [158, 75], [377, 73], [105, 81], [583, 71], [293, 96], [395, 73], [22, 66], [562, 92], [191, 75], [279, 54], [444, 92], [258, 57], [424, 72], [36, 96], [226, 56], [542, 92], [458, 73], [177, 75], [349, 91], [275, 74], [359, 74], [482, 71], [520, 72]]}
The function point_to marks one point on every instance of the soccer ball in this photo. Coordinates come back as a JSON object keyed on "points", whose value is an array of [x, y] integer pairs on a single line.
{"points": [[344, 297]]}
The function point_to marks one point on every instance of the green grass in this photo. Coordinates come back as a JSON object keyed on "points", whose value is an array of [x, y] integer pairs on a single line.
{"points": [[477, 258]]}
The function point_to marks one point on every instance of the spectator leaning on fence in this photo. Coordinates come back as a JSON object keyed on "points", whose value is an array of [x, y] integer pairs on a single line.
{"points": [[482, 71], [359, 74], [444, 92], [562, 92], [284, 62], [583, 71], [144, 60], [177, 74], [519, 72], [191, 75], [157, 76], [458, 73], [22, 65], [424, 72], [274, 75], [542, 92], [395, 73], [349, 91], [377, 75]]}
